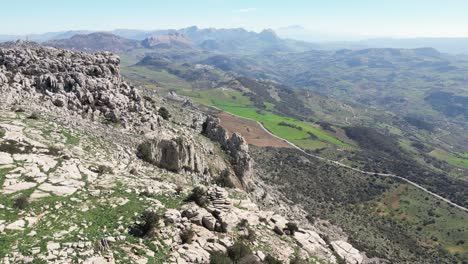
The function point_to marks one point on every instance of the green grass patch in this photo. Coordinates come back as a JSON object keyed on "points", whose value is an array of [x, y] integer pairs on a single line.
{"points": [[235, 103], [455, 159], [70, 138]]}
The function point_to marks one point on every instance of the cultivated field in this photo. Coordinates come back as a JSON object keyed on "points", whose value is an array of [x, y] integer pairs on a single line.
{"points": [[251, 131]]}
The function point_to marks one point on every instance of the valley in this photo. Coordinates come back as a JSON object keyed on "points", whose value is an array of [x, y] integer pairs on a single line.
{"points": [[186, 145]]}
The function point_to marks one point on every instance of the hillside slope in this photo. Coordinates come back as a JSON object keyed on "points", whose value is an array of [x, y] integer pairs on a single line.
{"points": [[93, 172]]}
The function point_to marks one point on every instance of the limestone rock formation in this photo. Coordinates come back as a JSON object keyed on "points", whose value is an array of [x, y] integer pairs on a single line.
{"points": [[174, 153], [235, 145], [79, 83]]}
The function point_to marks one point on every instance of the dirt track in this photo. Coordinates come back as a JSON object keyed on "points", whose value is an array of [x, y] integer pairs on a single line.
{"points": [[251, 131]]}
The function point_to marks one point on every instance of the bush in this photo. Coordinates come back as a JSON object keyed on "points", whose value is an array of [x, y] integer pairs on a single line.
{"points": [[198, 196], [243, 223], [164, 113], [179, 189], [144, 151], [149, 220], [237, 251], [223, 180], [34, 116], [103, 169], [21, 202], [269, 259], [187, 236], [292, 227], [219, 258]]}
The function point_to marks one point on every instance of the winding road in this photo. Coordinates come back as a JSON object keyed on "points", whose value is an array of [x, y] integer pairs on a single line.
{"points": [[337, 163]]}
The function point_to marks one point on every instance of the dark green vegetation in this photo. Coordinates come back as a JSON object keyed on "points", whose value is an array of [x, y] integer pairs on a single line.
{"points": [[164, 113], [198, 195], [224, 180], [146, 225], [385, 218]]}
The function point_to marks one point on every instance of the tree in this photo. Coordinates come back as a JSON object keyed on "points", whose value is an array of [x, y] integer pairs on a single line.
{"points": [[198, 196], [164, 113], [237, 251]]}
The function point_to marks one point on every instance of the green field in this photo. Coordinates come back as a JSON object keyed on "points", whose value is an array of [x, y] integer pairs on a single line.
{"points": [[235, 103], [457, 159]]}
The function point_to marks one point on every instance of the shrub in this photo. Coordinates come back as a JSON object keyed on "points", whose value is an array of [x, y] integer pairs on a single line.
{"points": [[103, 169], [237, 251], [164, 113], [144, 151], [223, 180], [148, 222], [269, 259], [34, 116], [21, 202], [219, 258], [179, 189], [198, 196], [292, 227], [243, 223], [187, 236], [289, 125]]}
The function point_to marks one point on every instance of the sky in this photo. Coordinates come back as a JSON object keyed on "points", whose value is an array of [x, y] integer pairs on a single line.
{"points": [[377, 18]]}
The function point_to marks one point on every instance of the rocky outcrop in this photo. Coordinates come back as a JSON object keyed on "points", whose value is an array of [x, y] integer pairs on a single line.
{"points": [[173, 152], [347, 252], [77, 83], [235, 145]]}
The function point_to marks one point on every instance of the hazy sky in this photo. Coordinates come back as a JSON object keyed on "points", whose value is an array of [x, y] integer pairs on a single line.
{"points": [[403, 18]]}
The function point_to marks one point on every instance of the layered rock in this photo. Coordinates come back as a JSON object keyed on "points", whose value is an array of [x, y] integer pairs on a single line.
{"points": [[235, 145], [222, 214], [173, 152]]}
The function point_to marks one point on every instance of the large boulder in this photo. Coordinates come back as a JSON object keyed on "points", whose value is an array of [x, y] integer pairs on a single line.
{"points": [[347, 252], [174, 153]]}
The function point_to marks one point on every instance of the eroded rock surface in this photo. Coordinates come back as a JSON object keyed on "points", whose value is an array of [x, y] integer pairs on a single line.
{"points": [[235, 145]]}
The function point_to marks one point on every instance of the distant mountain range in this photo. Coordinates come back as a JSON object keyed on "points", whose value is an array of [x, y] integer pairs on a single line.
{"points": [[238, 40], [292, 38]]}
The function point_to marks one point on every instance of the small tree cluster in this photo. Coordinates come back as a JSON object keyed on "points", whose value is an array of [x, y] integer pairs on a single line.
{"points": [[148, 222], [224, 180], [198, 196], [292, 228], [103, 169], [21, 202], [164, 113], [238, 251]]}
